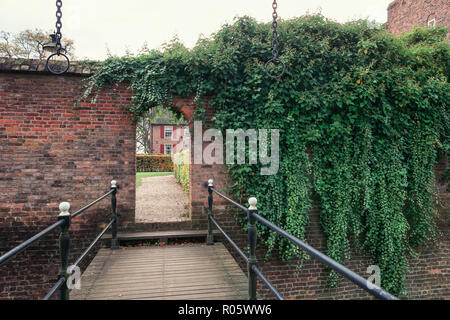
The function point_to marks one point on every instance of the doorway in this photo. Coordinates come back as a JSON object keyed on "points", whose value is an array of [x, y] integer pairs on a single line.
{"points": [[162, 185]]}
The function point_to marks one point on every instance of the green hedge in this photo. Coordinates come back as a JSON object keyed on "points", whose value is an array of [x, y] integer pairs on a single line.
{"points": [[181, 168], [154, 163]]}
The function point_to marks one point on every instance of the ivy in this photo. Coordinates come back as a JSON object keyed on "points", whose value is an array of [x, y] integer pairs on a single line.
{"points": [[363, 117]]}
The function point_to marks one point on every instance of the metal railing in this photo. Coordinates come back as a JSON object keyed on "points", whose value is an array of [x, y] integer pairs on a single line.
{"points": [[252, 263], [64, 221]]}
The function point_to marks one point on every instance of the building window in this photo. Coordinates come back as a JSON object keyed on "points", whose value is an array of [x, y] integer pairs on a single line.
{"points": [[431, 23], [168, 132], [167, 149]]}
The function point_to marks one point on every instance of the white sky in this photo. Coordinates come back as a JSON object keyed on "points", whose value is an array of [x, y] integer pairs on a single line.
{"points": [[95, 25]]}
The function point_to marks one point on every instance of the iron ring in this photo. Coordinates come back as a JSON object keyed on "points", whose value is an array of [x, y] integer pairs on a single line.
{"points": [[49, 69], [275, 76]]}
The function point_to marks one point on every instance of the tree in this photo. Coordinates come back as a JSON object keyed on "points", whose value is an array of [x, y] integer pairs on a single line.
{"points": [[28, 44], [143, 134]]}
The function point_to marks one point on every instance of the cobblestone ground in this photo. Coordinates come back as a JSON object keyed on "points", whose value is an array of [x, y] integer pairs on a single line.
{"points": [[161, 199]]}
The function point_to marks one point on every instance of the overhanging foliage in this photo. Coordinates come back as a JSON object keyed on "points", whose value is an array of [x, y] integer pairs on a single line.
{"points": [[362, 116]]}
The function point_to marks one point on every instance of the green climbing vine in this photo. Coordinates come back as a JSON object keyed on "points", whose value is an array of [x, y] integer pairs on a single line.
{"points": [[362, 117]]}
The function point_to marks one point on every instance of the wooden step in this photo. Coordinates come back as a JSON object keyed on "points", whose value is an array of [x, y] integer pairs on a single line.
{"points": [[162, 236], [156, 226]]}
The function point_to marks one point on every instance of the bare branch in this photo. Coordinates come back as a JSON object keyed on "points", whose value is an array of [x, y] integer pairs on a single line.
{"points": [[28, 44]]}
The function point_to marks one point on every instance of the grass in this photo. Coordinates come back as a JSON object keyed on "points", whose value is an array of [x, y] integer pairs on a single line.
{"points": [[140, 175]]}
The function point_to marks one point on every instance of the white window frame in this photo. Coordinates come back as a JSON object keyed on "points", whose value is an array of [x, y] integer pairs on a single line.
{"points": [[168, 132], [168, 149], [431, 23]]}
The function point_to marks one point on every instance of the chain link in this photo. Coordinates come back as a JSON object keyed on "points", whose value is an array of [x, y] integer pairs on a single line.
{"points": [[275, 58], [275, 32], [58, 26], [58, 68]]}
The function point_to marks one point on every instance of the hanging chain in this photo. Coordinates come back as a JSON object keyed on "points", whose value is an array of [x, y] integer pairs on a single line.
{"points": [[58, 26], [57, 68], [274, 33], [275, 44]]}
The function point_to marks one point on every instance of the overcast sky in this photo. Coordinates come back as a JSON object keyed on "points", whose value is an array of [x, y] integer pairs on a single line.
{"points": [[96, 25]]}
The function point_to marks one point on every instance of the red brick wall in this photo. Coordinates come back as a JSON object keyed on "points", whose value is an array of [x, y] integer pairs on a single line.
{"points": [[403, 15], [54, 150], [429, 277]]}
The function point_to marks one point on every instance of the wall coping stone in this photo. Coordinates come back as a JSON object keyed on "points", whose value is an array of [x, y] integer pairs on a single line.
{"points": [[79, 68]]}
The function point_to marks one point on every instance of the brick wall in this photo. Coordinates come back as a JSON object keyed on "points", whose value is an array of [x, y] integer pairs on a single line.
{"points": [[403, 15], [429, 277], [53, 150]]}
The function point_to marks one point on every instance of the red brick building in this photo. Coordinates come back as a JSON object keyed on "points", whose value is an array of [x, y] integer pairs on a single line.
{"points": [[167, 138], [404, 15]]}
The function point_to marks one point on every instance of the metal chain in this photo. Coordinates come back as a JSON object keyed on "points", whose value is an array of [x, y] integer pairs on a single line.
{"points": [[275, 58], [274, 33], [56, 68], [58, 26]]}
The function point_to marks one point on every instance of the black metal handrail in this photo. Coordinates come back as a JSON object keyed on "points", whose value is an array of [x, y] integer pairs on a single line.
{"points": [[13, 252], [234, 245], [76, 213], [252, 265], [267, 283], [55, 288], [64, 221], [86, 251]]}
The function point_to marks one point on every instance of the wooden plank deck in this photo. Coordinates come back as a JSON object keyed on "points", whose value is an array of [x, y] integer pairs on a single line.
{"points": [[193, 272]]}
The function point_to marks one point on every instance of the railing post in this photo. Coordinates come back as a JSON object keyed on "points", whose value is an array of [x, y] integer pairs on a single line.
{"points": [[64, 244], [252, 245], [114, 240], [210, 236]]}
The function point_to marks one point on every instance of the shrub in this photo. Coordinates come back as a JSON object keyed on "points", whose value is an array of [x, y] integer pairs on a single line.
{"points": [[181, 168], [154, 163]]}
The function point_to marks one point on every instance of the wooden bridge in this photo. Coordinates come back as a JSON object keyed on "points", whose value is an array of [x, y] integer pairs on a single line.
{"points": [[193, 272]]}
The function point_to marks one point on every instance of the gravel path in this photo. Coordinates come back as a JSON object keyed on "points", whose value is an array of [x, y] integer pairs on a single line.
{"points": [[161, 199]]}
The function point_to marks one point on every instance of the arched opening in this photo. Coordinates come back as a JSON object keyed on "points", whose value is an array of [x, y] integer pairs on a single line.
{"points": [[163, 144]]}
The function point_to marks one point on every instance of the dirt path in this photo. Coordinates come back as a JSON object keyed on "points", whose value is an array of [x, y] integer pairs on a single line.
{"points": [[161, 199]]}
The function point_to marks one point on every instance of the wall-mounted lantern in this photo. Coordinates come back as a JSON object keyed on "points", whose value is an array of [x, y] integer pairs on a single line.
{"points": [[50, 47]]}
